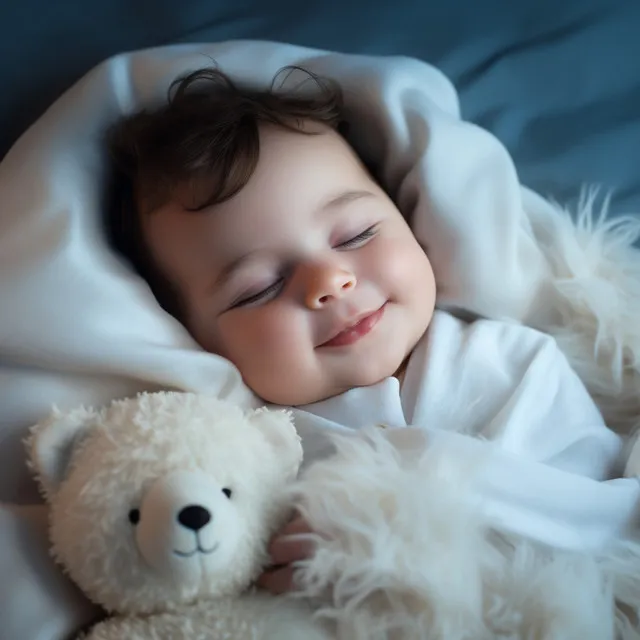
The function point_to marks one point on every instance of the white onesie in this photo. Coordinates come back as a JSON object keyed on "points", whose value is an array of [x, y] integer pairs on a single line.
{"points": [[506, 391]]}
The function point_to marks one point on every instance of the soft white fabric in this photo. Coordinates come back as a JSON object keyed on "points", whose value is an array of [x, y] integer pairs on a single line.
{"points": [[502, 390], [632, 467], [77, 326]]}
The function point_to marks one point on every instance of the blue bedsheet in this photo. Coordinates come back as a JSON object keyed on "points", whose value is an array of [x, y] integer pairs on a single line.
{"points": [[558, 83]]}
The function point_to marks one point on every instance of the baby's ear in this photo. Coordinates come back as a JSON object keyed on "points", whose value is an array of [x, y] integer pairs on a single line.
{"points": [[51, 443], [277, 427]]}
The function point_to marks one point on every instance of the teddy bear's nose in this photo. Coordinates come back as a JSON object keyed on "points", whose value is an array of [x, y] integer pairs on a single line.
{"points": [[194, 517]]}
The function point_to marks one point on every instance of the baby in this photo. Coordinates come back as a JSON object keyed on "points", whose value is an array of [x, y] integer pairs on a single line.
{"points": [[260, 229]]}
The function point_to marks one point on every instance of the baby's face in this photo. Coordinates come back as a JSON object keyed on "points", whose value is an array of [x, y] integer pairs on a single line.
{"points": [[309, 280]]}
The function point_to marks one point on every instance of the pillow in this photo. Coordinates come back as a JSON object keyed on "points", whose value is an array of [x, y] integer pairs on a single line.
{"points": [[76, 325]]}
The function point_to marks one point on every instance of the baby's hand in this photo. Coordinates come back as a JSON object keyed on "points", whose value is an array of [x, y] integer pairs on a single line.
{"points": [[285, 551]]}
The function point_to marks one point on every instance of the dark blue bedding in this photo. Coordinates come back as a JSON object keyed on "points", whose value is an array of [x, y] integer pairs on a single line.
{"points": [[558, 83]]}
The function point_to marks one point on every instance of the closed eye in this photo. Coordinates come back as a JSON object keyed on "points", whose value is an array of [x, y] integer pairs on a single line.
{"points": [[360, 239], [262, 296]]}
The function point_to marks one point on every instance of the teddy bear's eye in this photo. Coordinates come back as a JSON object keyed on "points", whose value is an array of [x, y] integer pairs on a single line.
{"points": [[227, 492], [134, 516]]}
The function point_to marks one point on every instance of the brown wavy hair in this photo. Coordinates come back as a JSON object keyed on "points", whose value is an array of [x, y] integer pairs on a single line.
{"points": [[205, 137]]}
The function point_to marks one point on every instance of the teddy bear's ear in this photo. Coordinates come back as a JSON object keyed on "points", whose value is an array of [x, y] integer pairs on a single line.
{"points": [[278, 428], [51, 443]]}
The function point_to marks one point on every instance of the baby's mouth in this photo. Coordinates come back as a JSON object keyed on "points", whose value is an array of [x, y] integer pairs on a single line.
{"points": [[352, 333]]}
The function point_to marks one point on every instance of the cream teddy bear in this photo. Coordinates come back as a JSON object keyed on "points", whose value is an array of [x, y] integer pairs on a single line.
{"points": [[161, 510]]}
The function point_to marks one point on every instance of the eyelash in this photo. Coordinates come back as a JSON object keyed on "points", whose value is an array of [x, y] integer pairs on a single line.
{"points": [[256, 297], [361, 237], [277, 285]]}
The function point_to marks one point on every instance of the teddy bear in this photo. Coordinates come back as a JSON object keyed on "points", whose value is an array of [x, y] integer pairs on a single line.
{"points": [[161, 510]]}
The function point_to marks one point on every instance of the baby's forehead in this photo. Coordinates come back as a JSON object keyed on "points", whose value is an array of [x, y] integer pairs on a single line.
{"points": [[277, 148], [295, 175]]}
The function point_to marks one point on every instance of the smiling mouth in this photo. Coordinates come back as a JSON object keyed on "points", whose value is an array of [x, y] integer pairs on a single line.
{"points": [[356, 331], [198, 549]]}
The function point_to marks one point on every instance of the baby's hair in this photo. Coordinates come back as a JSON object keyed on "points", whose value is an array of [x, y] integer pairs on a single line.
{"points": [[205, 138]]}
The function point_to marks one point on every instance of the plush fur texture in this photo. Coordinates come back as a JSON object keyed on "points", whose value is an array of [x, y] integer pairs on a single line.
{"points": [[595, 294], [250, 617], [162, 507], [404, 552]]}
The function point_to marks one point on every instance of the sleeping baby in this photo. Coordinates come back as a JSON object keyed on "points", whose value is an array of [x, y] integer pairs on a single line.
{"points": [[259, 228]]}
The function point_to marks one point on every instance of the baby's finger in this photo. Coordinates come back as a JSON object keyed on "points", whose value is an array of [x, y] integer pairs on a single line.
{"points": [[286, 549], [295, 526], [277, 581]]}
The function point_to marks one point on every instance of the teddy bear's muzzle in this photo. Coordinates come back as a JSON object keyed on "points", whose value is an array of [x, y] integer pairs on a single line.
{"points": [[188, 525]]}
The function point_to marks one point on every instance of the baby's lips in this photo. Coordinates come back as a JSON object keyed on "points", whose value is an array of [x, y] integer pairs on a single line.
{"points": [[361, 319]]}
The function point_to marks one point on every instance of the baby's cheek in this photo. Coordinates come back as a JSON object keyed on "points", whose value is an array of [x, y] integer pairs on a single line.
{"points": [[403, 265], [286, 337], [273, 354], [261, 338]]}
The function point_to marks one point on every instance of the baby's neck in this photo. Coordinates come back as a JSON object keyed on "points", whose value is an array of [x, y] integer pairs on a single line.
{"points": [[399, 374]]}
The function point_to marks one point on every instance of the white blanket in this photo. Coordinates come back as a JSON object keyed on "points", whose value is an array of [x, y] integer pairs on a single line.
{"points": [[77, 326]]}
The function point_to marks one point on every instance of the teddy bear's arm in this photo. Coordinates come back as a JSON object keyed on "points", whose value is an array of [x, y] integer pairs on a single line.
{"points": [[250, 617], [192, 625]]}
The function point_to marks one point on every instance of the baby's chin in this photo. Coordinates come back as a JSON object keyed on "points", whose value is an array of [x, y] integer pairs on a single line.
{"points": [[296, 395], [298, 398]]}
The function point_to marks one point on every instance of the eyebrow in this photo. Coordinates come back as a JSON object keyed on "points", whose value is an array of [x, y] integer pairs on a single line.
{"points": [[227, 271], [345, 197]]}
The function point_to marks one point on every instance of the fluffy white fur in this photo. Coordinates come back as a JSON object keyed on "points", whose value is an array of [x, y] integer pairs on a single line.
{"points": [[404, 552], [595, 287], [159, 454]]}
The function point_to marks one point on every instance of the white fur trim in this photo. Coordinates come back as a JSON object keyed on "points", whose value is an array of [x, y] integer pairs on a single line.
{"points": [[595, 291], [405, 552]]}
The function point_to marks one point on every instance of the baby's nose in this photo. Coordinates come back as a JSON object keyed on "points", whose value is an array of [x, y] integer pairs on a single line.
{"points": [[326, 284]]}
